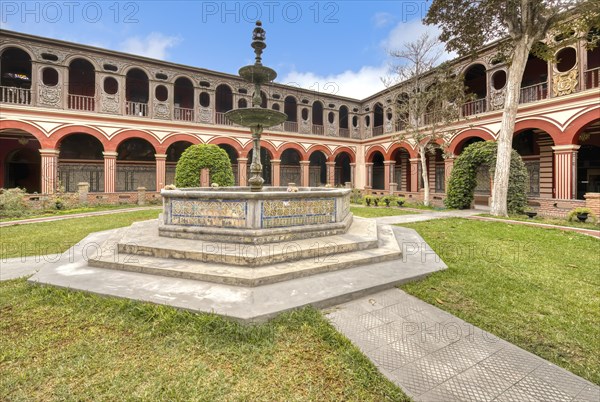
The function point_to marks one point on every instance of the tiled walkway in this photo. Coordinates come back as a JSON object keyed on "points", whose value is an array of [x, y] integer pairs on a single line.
{"points": [[435, 356]]}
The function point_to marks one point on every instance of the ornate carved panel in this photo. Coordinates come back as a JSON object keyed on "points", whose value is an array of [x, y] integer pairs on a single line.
{"points": [[109, 103], [162, 110], [50, 96], [497, 97], [564, 83], [331, 130], [206, 115]]}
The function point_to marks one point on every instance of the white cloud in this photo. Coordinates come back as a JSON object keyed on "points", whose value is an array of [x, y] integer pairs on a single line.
{"points": [[154, 45], [410, 31], [354, 84], [382, 19], [368, 79]]}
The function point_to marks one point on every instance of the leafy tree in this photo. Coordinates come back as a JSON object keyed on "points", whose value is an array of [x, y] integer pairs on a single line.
{"points": [[200, 156], [466, 25], [431, 99]]}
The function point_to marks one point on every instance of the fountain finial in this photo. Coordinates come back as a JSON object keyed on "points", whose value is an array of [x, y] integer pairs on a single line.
{"points": [[258, 41]]}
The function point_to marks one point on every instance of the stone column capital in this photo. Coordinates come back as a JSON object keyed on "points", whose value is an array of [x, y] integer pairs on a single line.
{"points": [[108, 155], [274, 161], [304, 163], [565, 148], [49, 152], [160, 156]]}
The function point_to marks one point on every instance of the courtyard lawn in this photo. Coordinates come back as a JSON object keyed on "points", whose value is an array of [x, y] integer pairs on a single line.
{"points": [[62, 212], [56, 237], [377, 212], [59, 344], [534, 287]]}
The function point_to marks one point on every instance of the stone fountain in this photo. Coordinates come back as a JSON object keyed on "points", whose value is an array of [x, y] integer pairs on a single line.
{"points": [[248, 253]]}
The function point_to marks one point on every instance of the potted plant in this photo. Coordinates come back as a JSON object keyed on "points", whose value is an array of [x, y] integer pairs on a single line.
{"points": [[376, 200], [368, 199], [388, 199], [582, 214], [400, 201], [530, 213]]}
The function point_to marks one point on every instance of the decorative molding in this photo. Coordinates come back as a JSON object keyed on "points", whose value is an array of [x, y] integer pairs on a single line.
{"points": [[565, 83]]}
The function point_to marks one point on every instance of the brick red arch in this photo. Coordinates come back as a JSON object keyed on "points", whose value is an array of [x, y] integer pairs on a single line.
{"points": [[167, 142], [229, 141], [402, 145], [553, 131], [263, 144], [45, 142], [297, 147], [127, 134], [58, 135], [465, 135], [571, 135], [318, 147], [372, 150], [347, 150]]}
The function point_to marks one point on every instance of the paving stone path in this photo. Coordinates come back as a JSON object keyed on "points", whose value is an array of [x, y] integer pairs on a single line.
{"points": [[435, 356]]}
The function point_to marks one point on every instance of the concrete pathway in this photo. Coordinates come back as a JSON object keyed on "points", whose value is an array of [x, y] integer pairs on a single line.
{"points": [[426, 215], [69, 216], [435, 356]]}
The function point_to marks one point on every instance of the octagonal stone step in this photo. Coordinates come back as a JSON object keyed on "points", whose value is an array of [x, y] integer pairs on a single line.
{"points": [[141, 239], [387, 250]]}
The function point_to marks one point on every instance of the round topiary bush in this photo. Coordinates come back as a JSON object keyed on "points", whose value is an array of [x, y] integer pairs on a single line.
{"points": [[200, 156], [463, 178]]}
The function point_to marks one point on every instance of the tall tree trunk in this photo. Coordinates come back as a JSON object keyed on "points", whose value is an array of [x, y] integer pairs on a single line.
{"points": [[509, 115], [424, 174]]}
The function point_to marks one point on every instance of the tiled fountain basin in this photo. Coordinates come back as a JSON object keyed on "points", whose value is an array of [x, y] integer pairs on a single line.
{"points": [[235, 214]]}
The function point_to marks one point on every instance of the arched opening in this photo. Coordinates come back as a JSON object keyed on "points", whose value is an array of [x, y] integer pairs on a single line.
{"points": [[592, 68], [223, 104], [204, 99], [20, 161], [402, 169], [483, 189], [290, 107], [588, 160], [377, 119], [476, 86], [80, 160], [343, 170], [232, 153], [263, 100], [317, 169], [15, 82], [402, 112], [265, 160], [137, 93], [344, 130], [183, 99], [437, 169], [317, 118], [290, 167], [534, 85], [535, 148], [242, 103], [566, 58], [82, 85], [378, 179], [174, 152], [136, 166]]}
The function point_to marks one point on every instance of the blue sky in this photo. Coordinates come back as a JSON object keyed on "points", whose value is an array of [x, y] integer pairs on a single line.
{"points": [[331, 46]]}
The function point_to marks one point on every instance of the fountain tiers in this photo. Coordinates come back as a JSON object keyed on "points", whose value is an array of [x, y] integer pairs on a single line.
{"points": [[238, 215]]}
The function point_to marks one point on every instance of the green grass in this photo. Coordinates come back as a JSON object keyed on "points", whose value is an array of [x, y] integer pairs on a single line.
{"points": [[376, 212], [537, 288], [56, 237], [64, 345], [60, 212], [549, 221]]}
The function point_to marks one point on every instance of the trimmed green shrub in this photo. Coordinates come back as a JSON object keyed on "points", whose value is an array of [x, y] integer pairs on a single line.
{"points": [[463, 178], [200, 156]]}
